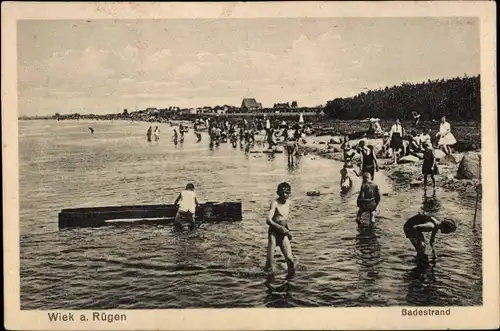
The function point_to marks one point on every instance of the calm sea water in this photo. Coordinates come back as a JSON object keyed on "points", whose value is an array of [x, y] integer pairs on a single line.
{"points": [[219, 265]]}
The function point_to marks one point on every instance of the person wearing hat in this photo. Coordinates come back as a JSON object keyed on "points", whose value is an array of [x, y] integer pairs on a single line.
{"points": [[415, 227]]}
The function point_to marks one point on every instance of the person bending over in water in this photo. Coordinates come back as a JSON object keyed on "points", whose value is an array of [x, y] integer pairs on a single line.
{"points": [[186, 203], [91, 130], [368, 198], [278, 233], [415, 227], [345, 180]]}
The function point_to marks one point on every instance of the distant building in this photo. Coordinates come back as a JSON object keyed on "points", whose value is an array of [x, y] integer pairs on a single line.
{"points": [[250, 105]]}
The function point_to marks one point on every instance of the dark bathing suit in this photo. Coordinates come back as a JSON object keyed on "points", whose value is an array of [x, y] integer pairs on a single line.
{"points": [[369, 197], [277, 234], [368, 163], [428, 162], [416, 220]]}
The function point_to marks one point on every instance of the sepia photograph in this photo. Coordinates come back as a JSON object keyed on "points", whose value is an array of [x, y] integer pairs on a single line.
{"points": [[300, 161]]}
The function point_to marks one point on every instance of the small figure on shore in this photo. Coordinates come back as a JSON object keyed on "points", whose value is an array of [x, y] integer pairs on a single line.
{"points": [[187, 204], [149, 133], [429, 166], [278, 233], [415, 227], [368, 198], [157, 133], [369, 161], [175, 137], [345, 180], [91, 130], [446, 138], [416, 117], [396, 139]]}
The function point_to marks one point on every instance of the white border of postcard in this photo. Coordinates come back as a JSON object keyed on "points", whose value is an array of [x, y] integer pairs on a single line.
{"points": [[485, 316]]}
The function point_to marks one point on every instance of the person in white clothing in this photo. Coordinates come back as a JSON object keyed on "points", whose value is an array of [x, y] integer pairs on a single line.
{"points": [[186, 203], [446, 138]]}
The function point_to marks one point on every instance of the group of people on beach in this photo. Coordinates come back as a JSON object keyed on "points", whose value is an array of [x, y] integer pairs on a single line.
{"points": [[398, 143]]}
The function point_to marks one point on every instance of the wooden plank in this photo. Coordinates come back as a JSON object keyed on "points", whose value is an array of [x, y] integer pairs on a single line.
{"points": [[95, 217]]}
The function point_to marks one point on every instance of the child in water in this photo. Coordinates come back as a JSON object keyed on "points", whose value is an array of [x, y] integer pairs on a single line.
{"points": [[187, 203], [416, 225], [368, 198], [278, 233], [345, 180]]}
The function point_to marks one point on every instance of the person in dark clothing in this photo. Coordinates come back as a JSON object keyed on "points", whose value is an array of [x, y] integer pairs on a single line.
{"points": [[416, 225], [369, 162], [429, 166], [368, 198]]}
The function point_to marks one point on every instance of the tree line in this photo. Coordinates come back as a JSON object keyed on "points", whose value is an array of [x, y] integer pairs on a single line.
{"points": [[456, 98]]}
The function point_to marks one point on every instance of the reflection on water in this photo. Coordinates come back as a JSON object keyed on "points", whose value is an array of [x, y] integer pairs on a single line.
{"points": [[221, 265], [431, 204]]}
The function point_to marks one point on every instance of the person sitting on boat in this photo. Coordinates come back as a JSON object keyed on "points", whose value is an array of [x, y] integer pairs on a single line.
{"points": [[415, 227], [368, 198], [187, 204]]}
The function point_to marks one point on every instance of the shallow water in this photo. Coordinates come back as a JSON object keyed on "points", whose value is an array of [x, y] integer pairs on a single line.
{"points": [[220, 265]]}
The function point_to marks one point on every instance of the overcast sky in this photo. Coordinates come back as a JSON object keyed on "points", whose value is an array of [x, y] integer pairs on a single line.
{"points": [[103, 66]]}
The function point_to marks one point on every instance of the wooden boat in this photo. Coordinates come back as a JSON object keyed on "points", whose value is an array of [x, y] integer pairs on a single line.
{"points": [[148, 214]]}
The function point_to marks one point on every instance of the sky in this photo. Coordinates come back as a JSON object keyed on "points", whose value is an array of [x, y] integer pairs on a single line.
{"points": [[104, 66]]}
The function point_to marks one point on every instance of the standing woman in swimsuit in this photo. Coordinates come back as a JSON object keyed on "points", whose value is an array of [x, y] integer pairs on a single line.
{"points": [[396, 139], [369, 162]]}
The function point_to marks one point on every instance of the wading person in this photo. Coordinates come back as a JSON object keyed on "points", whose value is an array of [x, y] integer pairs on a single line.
{"points": [[149, 133], [186, 203], [345, 180], [415, 227], [429, 166], [157, 134], [396, 139], [278, 233], [446, 138], [369, 162], [175, 137], [368, 198]]}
